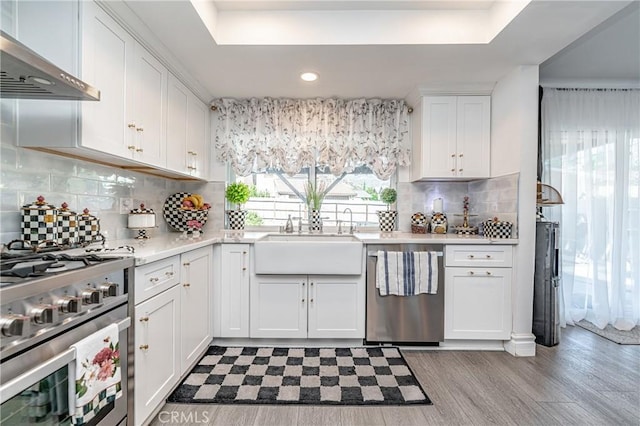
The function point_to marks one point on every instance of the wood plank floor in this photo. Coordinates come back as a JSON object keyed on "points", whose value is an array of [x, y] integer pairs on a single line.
{"points": [[585, 380]]}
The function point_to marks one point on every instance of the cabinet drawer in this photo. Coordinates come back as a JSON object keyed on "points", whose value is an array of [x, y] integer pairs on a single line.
{"points": [[156, 277], [479, 256]]}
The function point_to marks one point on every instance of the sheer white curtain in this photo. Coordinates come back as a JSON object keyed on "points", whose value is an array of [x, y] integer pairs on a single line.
{"points": [[591, 154], [289, 134]]}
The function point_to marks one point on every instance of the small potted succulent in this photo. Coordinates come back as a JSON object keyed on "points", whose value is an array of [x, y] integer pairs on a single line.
{"points": [[237, 193], [387, 218]]}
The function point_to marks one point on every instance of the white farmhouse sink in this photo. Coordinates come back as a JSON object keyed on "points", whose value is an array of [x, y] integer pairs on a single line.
{"points": [[308, 254]]}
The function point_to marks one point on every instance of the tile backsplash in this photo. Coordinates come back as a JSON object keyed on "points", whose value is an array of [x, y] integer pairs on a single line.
{"points": [[488, 198], [25, 174]]}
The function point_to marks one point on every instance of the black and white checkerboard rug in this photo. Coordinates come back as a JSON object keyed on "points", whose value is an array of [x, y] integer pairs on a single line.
{"points": [[340, 376]]}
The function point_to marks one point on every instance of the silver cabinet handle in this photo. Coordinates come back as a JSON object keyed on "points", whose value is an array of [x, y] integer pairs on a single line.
{"points": [[131, 125], [488, 273], [144, 347], [471, 256], [131, 147], [488, 256], [169, 274], [154, 279], [139, 150], [186, 264], [471, 273], [140, 129], [303, 300], [460, 170], [186, 285], [460, 155], [144, 319]]}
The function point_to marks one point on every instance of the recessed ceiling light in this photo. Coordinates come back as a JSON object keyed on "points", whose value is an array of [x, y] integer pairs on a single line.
{"points": [[309, 76]]}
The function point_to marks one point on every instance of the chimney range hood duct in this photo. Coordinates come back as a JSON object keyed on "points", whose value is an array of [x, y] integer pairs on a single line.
{"points": [[27, 75]]}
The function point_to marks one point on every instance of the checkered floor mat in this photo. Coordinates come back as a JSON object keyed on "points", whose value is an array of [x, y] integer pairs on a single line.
{"points": [[347, 376]]}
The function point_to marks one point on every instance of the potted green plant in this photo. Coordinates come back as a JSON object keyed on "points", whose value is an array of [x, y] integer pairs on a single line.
{"points": [[315, 196], [387, 218], [237, 193]]}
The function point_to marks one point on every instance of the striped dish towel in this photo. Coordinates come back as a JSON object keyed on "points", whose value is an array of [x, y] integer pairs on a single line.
{"points": [[407, 273]]}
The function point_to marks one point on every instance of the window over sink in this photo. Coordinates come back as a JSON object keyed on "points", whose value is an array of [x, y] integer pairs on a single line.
{"points": [[276, 195]]}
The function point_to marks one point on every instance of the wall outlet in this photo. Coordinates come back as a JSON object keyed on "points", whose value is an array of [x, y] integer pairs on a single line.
{"points": [[126, 204]]}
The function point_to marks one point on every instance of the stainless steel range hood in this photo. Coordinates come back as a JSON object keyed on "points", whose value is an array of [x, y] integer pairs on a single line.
{"points": [[27, 75]]}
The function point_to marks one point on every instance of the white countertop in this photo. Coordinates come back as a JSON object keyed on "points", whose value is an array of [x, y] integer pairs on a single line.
{"points": [[173, 243]]}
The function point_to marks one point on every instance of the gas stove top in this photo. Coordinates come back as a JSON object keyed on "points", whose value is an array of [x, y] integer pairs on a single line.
{"points": [[23, 264]]}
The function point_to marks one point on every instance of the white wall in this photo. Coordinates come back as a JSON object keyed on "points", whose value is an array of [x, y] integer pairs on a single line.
{"points": [[514, 148]]}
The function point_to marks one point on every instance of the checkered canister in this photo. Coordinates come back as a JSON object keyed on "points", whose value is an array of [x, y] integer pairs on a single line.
{"points": [[39, 222], [67, 226], [88, 227]]}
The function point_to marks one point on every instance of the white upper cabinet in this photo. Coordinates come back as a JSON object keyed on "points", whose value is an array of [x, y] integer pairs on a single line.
{"points": [[150, 105], [128, 127], [108, 63], [187, 131], [451, 138], [129, 120]]}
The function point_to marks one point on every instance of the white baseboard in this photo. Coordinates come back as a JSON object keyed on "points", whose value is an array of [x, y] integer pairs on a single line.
{"points": [[521, 345]]}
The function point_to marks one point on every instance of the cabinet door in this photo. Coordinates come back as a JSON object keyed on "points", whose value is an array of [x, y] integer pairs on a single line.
{"points": [[473, 136], [279, 306], [234, 291], [157, 340], [195, 304], [477, 303], [108, 64], [177, 96], [438, 137], [198, 131], [336, 307], [150, 86]]}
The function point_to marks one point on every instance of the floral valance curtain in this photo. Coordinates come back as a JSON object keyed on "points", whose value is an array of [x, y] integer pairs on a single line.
{"points": [[289, 134]]}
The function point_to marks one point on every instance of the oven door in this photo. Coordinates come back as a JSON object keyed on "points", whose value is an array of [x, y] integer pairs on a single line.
{"points": [[35, 385]]}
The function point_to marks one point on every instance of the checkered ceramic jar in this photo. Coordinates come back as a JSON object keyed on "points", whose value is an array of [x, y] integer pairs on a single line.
{"points": [[67, 226], [387, 220], [497, 229], [88, 227], [439, 223], [236, 219], [39, 222]]}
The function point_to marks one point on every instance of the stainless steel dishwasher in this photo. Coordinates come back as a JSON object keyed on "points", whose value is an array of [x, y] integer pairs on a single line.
{"points": [[415, 320]]}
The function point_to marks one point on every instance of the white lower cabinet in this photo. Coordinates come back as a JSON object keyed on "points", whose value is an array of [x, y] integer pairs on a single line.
{"points": [[336, 307], [157, 351], [301, 306], [232, 291], [195, 303], [172, 325], [279, 306], [477, 298]]}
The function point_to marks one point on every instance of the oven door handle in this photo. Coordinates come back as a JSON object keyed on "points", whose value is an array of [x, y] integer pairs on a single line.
{"points": [[19, 384]]}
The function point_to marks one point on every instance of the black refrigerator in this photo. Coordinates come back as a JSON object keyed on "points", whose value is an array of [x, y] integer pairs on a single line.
{"points": [[546, 286]]}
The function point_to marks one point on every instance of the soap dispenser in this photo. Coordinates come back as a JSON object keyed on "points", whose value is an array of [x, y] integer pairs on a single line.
{"points": [[289, 226]]}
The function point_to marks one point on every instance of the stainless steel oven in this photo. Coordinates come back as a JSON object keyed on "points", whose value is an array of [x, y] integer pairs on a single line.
{"points": [[41, 316]]}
